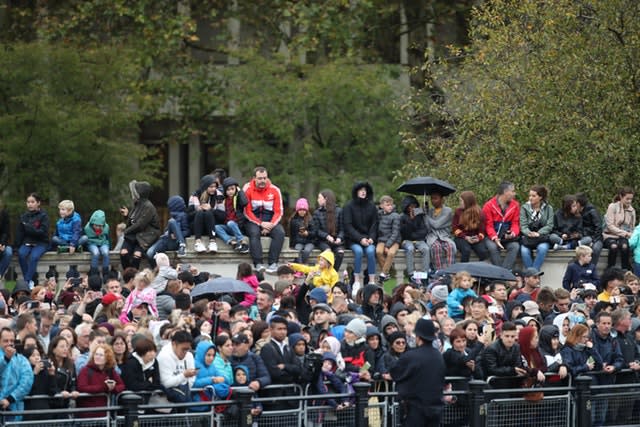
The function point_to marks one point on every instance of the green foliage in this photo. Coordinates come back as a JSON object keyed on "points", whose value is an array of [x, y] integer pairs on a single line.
{"points": [[326, 125], [547, 92], [67, 127]]}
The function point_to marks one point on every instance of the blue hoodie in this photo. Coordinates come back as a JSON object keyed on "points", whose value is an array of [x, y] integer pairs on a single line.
{"points": [[205, 373], [178, 211]]}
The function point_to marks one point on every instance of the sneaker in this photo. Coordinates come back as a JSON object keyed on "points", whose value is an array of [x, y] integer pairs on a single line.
{"points": [[232, 243], [354, 289], [199, 247], [241, 248], [213, 247], [182, 250], [383, 278], [272, 269], [555, 247], [260, 268]]}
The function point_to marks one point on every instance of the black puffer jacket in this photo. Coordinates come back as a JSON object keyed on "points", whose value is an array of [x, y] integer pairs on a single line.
{"points": [[360, 216], [414, 229], [373, 312], [320, 229]]}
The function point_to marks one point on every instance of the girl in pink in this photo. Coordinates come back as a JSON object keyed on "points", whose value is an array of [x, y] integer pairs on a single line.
{"points": [[245, 273]]}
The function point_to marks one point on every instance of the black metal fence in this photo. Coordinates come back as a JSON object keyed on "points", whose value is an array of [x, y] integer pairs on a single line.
{"points": [[472, 404]]}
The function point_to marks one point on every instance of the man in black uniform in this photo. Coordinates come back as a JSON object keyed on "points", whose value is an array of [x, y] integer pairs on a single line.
{"points": [[419, 377]]}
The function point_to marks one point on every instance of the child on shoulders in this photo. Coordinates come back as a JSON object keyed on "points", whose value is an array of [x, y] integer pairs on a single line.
{"points": [[462, 282]]}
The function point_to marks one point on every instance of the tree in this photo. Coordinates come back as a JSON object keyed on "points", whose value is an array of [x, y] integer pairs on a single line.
{"points": [[68, 126], [316, 126], [546, 92]]}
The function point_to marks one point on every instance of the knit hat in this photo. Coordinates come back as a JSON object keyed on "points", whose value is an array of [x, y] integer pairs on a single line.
{"points": [[110, 298], [396, 335], [294, 339], [357, 327], [162, 260], [302, 204], [318, 294], [108, 326], [440, 292]]}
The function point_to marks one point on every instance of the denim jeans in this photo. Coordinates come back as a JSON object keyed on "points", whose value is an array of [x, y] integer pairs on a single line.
{"points": [[304, 251], [96, 251], [224, 231], [166, 242], [28, 257], [410, 247], [5, 260], [541, 253], [358, 252]]}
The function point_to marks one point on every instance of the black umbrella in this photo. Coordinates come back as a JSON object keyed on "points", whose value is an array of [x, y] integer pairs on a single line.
{"points": [[220, 285], [424, 185], [481, 270]]}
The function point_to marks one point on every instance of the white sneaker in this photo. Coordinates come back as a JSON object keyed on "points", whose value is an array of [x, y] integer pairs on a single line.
{"points": [[199, 247], [260, 268], [272, 269], [354, 289], [213, 247]]}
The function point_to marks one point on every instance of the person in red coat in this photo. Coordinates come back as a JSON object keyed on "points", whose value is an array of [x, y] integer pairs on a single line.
{"points": [[502, 225], [100, 378]]}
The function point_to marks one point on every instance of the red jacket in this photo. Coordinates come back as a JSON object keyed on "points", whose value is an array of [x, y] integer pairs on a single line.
{"points": [[495, 220], [92, 380], [265, 204]]}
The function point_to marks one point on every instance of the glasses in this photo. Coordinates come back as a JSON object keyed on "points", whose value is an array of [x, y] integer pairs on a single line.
{"points": [[400, 342]]}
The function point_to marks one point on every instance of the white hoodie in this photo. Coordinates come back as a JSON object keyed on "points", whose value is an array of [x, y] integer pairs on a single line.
{"points": [[171, 368]]}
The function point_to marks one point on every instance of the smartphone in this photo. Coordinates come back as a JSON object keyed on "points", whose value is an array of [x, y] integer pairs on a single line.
{"points": [[32, 305]]}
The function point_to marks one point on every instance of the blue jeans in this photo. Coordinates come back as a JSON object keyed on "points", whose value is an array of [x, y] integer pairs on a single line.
{"points": [[422, 247], [58, 241], [5, 260], [166, 242], [231, 227], [358, 251], [28, 257], [541, 252], [304, 251], [96, 251]]}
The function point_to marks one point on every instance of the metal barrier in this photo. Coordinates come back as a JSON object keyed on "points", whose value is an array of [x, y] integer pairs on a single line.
{"points": [[473, 404]]}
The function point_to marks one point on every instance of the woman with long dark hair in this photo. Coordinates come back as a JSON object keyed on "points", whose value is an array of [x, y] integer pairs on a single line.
{"points": [[468, 228], [59, 355], [536, 225], [620, 220], [327, 226]]}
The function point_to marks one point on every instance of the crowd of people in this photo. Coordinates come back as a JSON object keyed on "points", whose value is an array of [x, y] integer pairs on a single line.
{"points": [[140, 329]]}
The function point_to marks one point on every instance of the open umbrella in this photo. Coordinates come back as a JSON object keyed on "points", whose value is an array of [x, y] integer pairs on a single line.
{"points": [[424, 185], [481, 270], [220, 285]]}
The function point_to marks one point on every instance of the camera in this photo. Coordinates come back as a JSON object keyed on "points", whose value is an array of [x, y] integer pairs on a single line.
{"points": [[75, 281], [46, 363]]}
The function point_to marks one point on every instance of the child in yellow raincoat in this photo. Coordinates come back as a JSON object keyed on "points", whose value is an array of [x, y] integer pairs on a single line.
{"points": [[322, 274]]}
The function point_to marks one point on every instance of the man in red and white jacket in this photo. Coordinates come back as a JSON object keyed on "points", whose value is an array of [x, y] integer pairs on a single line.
{"points": [[502, 224], [264, 213]]}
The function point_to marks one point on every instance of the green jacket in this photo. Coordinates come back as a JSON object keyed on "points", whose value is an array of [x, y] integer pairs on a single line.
{"points": [[92, 229], [546, 217]]}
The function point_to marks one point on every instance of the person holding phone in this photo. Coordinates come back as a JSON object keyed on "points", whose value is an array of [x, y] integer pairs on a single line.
{"points": [[98, 377]]}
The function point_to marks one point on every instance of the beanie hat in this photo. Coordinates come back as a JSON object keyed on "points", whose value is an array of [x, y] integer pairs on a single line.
{"points": [[110, 298], [440, 292], [396, 335], [108, 326], [162, 260], [302, 204], [357, 327]]}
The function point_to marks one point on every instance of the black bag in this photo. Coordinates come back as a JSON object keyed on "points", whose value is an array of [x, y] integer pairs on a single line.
{"points": [[533, 242], [179, 394]]}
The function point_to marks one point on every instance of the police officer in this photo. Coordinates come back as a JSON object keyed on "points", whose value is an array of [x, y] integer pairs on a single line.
{"points": [[419, 377]]}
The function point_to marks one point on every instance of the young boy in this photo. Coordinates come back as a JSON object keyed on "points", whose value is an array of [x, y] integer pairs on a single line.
{"points": [[581, 271], [389, 237], [176, 232], [68, 235], [241, 379]]}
